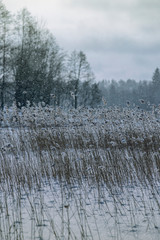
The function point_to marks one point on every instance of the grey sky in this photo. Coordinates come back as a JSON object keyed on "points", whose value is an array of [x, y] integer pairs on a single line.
{"points": [[121, 38]]}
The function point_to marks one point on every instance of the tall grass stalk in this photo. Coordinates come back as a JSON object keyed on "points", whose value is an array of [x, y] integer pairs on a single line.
{"points": [[81, 174]]}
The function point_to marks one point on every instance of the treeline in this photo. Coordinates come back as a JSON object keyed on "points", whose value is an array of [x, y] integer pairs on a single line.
{"points": [[143, 94], [33, 69]]}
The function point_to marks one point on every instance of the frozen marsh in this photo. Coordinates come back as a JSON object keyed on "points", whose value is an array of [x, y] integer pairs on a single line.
{"points": [[79, 174]]}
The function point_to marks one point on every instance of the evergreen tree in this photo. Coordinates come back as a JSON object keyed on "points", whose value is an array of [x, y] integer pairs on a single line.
{"points": [[96, 95], [156, 87], [5, 47], [156, 78], [85, 94], [113, 95]]}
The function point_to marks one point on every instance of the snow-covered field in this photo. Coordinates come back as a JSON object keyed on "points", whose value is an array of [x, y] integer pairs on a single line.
{"points": [[79, 174]]}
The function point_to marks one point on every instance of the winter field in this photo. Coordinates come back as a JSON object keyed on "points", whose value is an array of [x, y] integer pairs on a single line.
{"points": [[79, 174]]}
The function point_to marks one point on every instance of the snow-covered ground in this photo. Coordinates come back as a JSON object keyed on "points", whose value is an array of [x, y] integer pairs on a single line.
{"points": [[79, 174]]}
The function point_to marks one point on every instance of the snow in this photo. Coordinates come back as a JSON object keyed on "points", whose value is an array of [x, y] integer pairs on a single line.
{"points": [[91, 171]]}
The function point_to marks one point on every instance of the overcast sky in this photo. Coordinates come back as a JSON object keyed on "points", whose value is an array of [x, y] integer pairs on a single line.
{"points": [[121, 38]]}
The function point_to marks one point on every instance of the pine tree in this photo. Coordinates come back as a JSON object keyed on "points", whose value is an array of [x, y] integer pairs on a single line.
{"points": [[96, 95], [156, 86], [156, 78], [5, 48]]}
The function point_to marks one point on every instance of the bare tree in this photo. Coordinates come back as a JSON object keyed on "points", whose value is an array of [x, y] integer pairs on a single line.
{"points": [[37, 60], [78, 71]]}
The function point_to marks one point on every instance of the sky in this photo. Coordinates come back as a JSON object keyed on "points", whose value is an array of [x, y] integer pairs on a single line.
{"points": [[121, 38]]}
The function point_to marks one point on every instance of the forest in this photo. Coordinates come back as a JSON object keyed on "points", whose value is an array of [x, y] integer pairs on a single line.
{"points": [[34, 68]]}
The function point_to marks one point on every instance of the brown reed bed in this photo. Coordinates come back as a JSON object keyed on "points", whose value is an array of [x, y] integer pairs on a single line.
{"points": [[106, 159]]}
